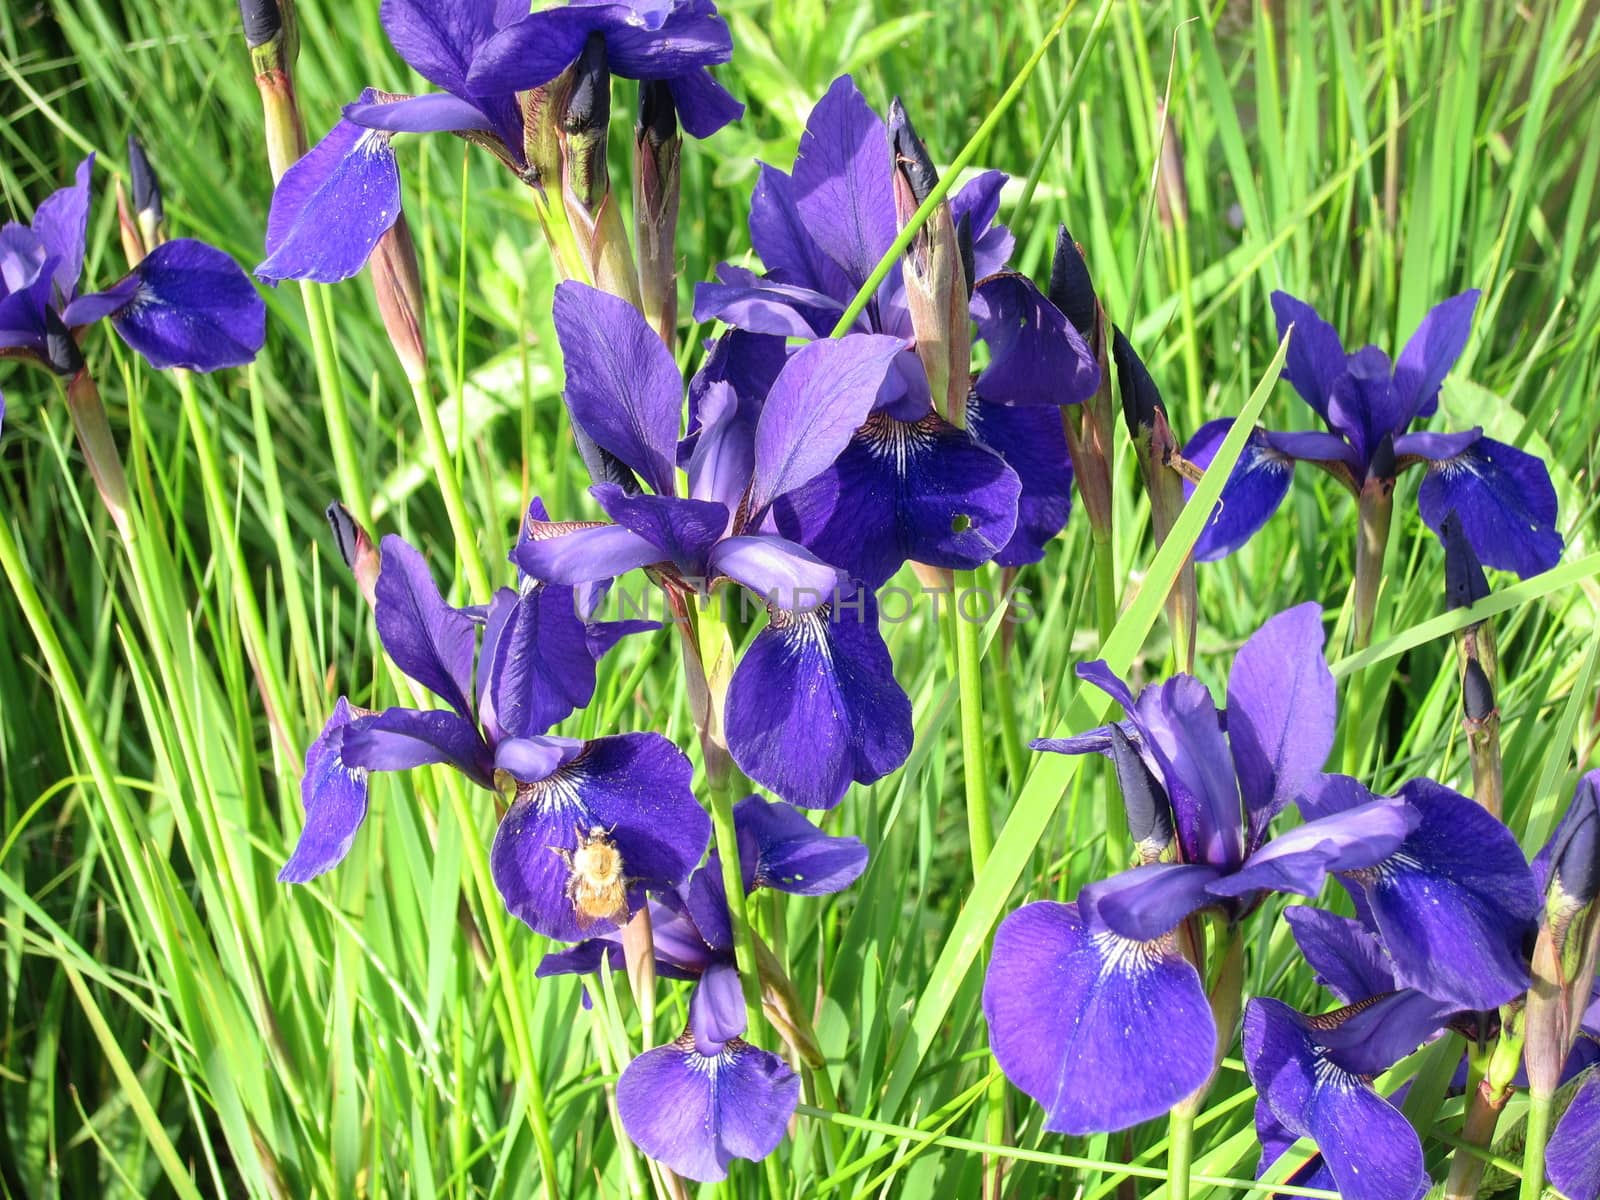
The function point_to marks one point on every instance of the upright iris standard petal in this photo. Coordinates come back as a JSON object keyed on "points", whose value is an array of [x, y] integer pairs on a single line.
{"points": [[1369, 1147], [842, 190], [1035, 355], [1570, 1160], [1253, 491], [1348, 960], [539, 665], [623, 387], [1364, 404], [1034, 445], [1454, 903], [820, 398], [1316, 357], [439, 40], [1183, 732], [427, 639], [331, 207], [921, 490], [1281, 712], [978, 202], [1079, 1017], [61, 223], [813, 705], [335, 798], [697, 1113], [577, 848], [779, 848], [1431, 351], [186, 304], [1506, 503], [779, 234]]}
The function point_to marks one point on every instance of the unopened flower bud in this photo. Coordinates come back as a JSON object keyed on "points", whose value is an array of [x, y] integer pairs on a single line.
{"points": [[356, 547], [146, 187], [1156, 448], [1088, 426], [397, 284], [1568, 948], [1149, 810], [657, 149], [936, 274], [263, 21], [583, 113], [1477, 693], [1071, 288]]}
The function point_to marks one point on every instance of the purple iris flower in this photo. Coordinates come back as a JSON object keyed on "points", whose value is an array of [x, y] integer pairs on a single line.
{"points": [[1503, 495], [331, 207], [1313, 1074], [591, 825], [910, 485], [1442, 926], [667, 41], [186, 304], [708, 1096], [1079, 995], [813, 704]]}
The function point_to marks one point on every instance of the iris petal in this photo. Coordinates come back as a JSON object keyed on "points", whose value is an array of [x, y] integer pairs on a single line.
{"points": [[779, 848], [697, 1113], [1506, 503], [1252, 493], [335, 798], [1077, 1015]]}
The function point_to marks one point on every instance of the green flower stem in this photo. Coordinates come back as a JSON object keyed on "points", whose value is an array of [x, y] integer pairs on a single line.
{"points": [[1106, 598], [1180, 1151], [455, 507], [1540, 1110], [974, 753], [713, 648], [1466, 1168]]}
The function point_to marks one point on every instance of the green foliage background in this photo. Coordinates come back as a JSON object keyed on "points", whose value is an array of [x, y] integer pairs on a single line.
{"points": [[174, 1022]]}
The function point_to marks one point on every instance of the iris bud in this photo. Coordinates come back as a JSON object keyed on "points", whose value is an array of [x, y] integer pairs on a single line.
{"points": [[356, 548], [937, 273], [1088, 425], [61, 350], [1464, 582], [1156, 448], [397, 284], [657, 149], [1149, 810]]}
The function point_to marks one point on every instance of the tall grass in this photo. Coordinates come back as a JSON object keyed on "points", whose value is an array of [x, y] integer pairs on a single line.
{"points": [[177, 1023]]}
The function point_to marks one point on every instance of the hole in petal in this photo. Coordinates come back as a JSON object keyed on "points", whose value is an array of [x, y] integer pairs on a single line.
{"points": [[960, 523]]}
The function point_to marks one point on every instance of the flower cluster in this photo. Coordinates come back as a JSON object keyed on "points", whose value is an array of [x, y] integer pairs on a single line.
{"points": [[860, 410]]}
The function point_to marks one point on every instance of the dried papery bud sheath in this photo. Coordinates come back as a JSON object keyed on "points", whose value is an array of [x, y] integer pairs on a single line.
{"points": [[269, 31], [357, 549], [397, 284], [658, 148], [936, 277], [1156, 449], [133, 247], [1149, 810], [1088, 425], [584, 108]]}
